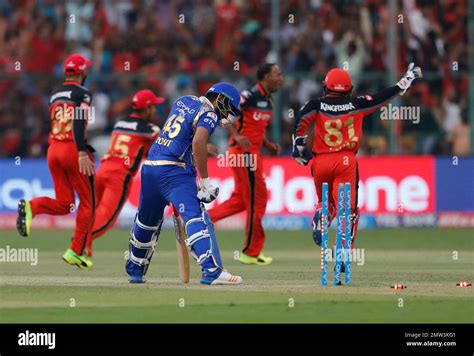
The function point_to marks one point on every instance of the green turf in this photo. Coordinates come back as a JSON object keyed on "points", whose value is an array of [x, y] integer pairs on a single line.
{"points": [[289, 290]]}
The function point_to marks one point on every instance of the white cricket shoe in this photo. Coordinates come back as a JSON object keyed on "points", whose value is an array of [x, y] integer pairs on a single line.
{"points": [[223, 278]]}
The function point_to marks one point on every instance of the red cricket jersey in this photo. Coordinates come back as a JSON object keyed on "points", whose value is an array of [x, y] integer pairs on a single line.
{"points": [[131, 140], [257, 112], [338, 120], [69, 114]]}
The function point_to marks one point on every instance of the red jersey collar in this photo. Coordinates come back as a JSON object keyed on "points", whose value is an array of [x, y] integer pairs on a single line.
{"points": [[72, 82], [262, 90], [135, 116]]}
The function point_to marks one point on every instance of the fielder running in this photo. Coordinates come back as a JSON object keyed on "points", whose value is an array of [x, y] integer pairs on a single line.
{"points": [[131, 140], [337, 136], [247, 138], [169, 176], [70, 162]]}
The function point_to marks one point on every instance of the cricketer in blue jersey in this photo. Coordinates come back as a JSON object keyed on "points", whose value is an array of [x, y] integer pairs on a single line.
{"points": [[169, 176]]}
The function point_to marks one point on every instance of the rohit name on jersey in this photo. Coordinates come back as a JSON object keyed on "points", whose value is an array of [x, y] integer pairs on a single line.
{"points": [[163, 141]]}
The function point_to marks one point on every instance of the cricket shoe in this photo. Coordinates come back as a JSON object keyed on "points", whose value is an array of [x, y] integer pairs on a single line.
{"points": [[74, 259], [260, 260], [220, 277], [137, 279], [23, 222]]}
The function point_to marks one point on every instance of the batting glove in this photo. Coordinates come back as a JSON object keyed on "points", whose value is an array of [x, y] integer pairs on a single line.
{"points": [[300, 153], [207, 192], [411, 74]]}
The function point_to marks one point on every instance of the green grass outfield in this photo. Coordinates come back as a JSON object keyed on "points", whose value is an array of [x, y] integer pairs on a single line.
{"points": [[287, 291]]}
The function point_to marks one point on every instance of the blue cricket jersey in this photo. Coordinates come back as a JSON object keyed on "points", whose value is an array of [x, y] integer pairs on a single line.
{"points": [[175, 140]]}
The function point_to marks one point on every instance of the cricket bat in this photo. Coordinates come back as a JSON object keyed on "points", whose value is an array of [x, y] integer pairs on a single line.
{"points": [[183, 255]]}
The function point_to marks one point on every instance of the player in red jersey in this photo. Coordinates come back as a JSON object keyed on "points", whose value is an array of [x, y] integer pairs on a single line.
{"points": [[337, 136], [70, 162], [131, 139], [247, 138]]}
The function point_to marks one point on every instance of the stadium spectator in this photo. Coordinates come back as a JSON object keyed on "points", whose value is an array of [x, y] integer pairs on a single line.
{"points": [[460, 138]]}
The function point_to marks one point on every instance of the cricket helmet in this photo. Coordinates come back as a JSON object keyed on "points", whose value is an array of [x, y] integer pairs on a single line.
{"points": [[228, 99]]}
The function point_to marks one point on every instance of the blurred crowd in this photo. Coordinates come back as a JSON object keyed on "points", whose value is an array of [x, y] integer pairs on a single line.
{"points": [[179, 47]]}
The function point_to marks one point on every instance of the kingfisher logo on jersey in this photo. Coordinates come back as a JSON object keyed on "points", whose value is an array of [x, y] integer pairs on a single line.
{"points": [[126, 125], [61, 94], [262, 104], [342, 107]]}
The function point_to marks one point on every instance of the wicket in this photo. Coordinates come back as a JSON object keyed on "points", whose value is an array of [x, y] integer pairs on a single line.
{"points": [[324, 235], [343, 229]]}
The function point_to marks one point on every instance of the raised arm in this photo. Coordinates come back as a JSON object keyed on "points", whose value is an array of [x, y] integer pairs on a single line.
{"points": [[370, 103]]}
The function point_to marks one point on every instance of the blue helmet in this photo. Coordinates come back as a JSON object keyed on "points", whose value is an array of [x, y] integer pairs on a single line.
{"points": [[228, 99]]}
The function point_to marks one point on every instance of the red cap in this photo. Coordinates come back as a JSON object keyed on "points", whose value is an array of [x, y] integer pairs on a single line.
{"points": [[338, 80], [144, 98], [75, 64]]}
